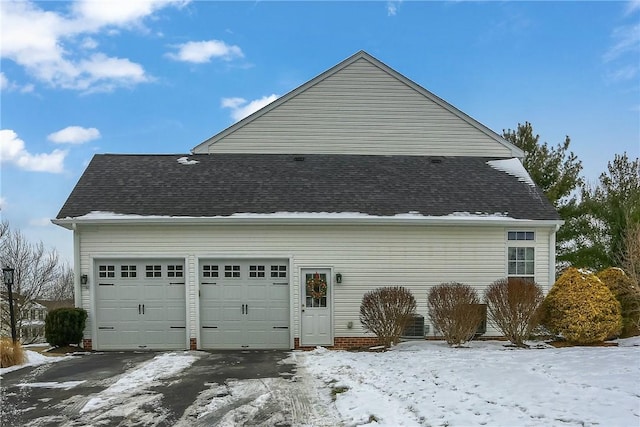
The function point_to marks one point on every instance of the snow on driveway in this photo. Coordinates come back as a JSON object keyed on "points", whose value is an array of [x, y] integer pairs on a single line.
{"points": [[427, 383]]}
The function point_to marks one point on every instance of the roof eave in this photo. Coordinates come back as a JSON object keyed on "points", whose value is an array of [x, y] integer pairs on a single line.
{"points": [[71, 223]]}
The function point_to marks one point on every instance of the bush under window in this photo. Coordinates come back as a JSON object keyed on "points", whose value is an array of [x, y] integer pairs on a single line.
{"points": [[386, 312]]}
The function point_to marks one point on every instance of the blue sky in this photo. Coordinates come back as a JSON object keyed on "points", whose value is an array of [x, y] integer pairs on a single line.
{"points": [[80, 78]]}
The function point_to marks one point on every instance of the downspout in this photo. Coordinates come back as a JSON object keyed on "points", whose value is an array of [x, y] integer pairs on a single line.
{"points": [[77, 289], [552, 256]]}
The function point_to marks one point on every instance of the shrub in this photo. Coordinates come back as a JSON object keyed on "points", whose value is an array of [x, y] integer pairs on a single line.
{"points": [[386, 312], [581, 309], [513, 306], [455, 310], [11, 353], [64, 326], [627, 292]]}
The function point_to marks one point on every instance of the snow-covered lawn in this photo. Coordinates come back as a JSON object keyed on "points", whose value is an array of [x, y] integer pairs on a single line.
{"points": [[427, 383], [33, 358]]}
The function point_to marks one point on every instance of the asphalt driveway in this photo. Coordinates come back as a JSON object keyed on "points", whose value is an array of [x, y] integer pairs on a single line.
{"points": [[158, 389]]}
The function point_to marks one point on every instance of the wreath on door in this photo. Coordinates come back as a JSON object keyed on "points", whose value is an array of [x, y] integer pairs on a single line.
{"points": [[316, 286]]}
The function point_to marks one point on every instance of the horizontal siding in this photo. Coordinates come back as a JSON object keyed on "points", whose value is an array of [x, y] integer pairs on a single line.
{"points": [[367, 257], [360, 110]]}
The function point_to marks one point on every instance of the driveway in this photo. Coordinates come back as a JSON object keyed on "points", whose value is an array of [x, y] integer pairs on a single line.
{"points": [[192, 388]]}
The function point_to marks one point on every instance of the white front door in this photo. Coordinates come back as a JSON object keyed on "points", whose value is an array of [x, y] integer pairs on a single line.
{"points": [[316, 319]]}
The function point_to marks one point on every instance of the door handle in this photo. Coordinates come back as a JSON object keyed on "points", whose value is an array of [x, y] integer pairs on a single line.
{"points": [[246, 309], [139, 308], [242, 308], [142, 308]]}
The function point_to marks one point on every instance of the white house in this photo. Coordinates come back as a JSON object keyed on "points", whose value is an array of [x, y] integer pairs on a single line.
{"points": [[359, 175]]}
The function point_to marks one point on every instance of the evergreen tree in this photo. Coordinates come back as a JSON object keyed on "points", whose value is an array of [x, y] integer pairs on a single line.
{"points": [[556, 170]]}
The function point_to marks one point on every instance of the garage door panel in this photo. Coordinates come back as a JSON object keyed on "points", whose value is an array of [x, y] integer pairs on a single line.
{"points": [[250, 308], [141, 304]]}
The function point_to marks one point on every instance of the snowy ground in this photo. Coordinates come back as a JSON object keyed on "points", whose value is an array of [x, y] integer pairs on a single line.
{"points": [[429, 384], [421, 383]]}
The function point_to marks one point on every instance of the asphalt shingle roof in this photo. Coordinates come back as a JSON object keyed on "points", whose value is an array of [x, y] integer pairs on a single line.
{"points": [[224, 184]]}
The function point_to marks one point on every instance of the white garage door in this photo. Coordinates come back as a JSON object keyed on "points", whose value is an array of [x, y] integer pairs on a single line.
{"points": [[244, 304], [140, 304]]}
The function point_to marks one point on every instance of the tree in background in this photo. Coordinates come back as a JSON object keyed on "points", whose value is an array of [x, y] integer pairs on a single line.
{"points": [[36, 271], [608, 215], [556, 170]]}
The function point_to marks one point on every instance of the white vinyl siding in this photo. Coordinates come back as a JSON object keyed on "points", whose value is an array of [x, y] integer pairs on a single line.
{"points": [[360, 109], [368, 257]]}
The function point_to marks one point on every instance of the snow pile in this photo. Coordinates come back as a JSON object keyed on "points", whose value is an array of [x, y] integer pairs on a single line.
{"points": [[34, 359], [512, 167], [186, 161], [429, 383]]}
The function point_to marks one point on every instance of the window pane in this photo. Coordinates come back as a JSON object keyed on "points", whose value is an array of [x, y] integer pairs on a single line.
{"points": [[528, 267], [529, 254], [512, 254], [511, 235]]}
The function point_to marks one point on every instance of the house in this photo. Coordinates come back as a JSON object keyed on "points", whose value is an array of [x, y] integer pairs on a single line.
{"points": [[30, 317], [268, 234]]}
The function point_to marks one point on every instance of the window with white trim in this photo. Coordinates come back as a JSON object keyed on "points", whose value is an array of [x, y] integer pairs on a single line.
{"points": [[175, 271], [153, 271], [105, 271], [128, 271], [521, 255], [278, 271], [232, 271], [256, 271], [209, 271]]}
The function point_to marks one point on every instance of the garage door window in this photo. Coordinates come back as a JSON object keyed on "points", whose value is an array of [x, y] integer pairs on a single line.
{"points": [[210, 271], [175, 271], [278, 271], [128, 271], [153, 271], [106, 271], [232, 271], [256, 271]]}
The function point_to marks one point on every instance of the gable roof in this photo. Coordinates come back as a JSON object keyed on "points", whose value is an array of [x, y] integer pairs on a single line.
{"points": [[341, 67], [224, 185]]}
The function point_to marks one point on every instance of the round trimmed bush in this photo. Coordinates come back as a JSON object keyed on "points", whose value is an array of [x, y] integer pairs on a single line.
{"points": [[64, 326], [581, 309], [627, 292]]}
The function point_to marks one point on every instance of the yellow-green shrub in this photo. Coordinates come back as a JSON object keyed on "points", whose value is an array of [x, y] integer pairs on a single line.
{"points": [[627, 292], [581, 308], [11, 353]]}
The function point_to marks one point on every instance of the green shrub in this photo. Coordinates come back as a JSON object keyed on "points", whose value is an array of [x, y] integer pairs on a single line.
{"points": [[627, 292], [513, 305], [455, 311], [386, 312], [64, 326], [11, 353], [581, 309]]}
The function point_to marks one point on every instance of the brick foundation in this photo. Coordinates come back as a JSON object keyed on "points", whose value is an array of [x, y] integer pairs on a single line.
{"points": [[87, 344], [342, 343], [193, 344]]}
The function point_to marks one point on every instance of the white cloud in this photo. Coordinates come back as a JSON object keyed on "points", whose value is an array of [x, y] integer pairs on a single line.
{"points": [[241, 108], [74, 135], [627, 40], [12, 150], [9, 86], [621, 59], [203, 51], [392, 7], [3, 203], [52, 50], [632, 6]]}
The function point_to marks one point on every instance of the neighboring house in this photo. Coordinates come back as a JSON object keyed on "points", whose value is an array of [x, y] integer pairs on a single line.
{"points": [[357, 179], [30, 318]]}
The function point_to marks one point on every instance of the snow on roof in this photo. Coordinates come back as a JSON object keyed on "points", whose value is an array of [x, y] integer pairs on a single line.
{"points": [[512, 167], [100, 215], [186, 161]]}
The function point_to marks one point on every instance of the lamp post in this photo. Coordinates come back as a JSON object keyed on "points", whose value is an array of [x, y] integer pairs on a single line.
{"points": [[7, 277]]}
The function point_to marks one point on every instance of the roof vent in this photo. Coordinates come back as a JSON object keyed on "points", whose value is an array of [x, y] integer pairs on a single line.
{"points": [[436, 160], [299, 158]]}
